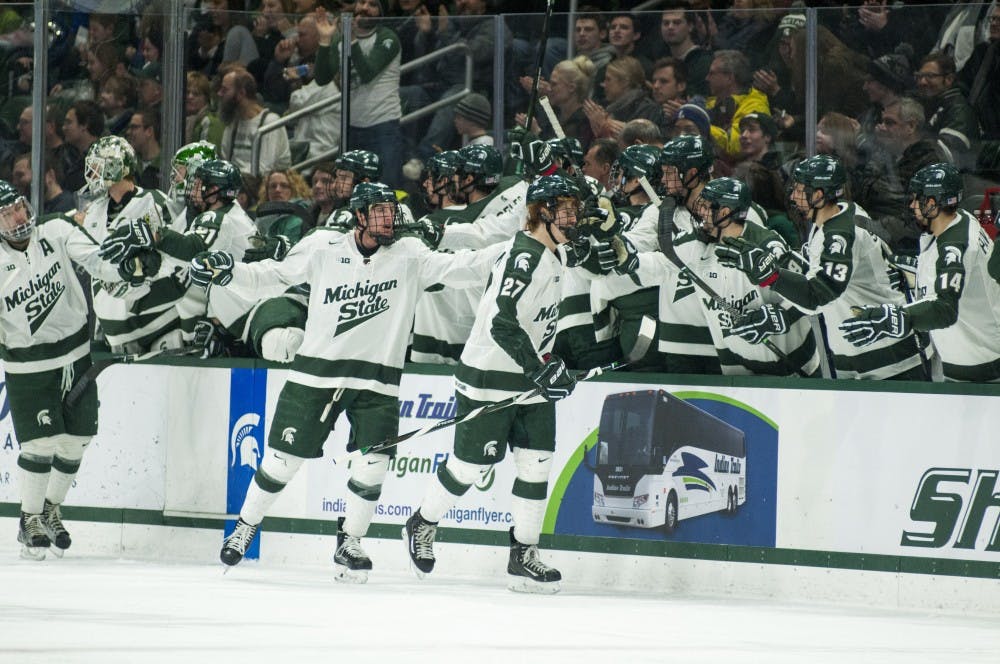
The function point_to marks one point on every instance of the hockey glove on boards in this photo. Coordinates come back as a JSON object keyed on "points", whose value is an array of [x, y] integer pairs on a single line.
{"points": [[126, 241], [757, 325], [876, 322], [755, 262], [553, 379], [212, 267]]}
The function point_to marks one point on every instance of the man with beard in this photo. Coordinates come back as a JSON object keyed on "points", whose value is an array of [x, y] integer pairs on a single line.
{"points": [[243, 117]]}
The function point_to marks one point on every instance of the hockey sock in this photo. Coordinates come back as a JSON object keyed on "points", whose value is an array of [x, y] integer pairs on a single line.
{"points": [[454, 477], [65, 465], [529, 493], [276, 470], [364, 488], [34, 479]]}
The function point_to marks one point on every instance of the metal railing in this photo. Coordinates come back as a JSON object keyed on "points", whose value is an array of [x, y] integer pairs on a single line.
{"points": [[323, 104]]}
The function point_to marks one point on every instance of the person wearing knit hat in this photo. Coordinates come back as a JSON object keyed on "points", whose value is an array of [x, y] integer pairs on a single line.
{"points": [[889, 78], [758, 132], [692, 120], [790, 23], [473, 116]]}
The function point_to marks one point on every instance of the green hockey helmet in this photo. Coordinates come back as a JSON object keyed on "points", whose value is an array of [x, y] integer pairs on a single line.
{"points": [[438, 171], [222, 174], [381, 228], [725, 193], [634, 162], [363, 163], [567, 151], [483, 162], [941, 181], [109, 160], [554, 199], [821, 172], [186, 161], [17, 217], [687, 152]]}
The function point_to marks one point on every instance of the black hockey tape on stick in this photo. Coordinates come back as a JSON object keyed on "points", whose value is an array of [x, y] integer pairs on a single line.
{"points": [[91, 374], [530, 115], [668, 250], [647, 332]]}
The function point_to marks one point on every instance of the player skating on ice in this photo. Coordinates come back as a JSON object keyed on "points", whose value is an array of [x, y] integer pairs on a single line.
{"points": [[506, 354]]}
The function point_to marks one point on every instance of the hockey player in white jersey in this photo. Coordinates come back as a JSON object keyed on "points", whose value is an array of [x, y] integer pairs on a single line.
{"points": [[45, 346], [957, 299], [363, 289], [506, 354], [186, 161]]}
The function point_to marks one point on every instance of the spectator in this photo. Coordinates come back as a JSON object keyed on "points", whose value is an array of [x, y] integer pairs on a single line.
{"points": [[877, 26], [83, 124], [882, 191], [117, 100], [200, 123], [102, 60], [292, 65], [888, 79], [599, 159], [950, 118], [628, 98], [144, 136], [640, 132], [676, 25], [729, 80], [323, 203], [624, 32], [692, 120], [238, 44], [774, 79], [981, 76], [54, 197], [271, 26], [242, 118], [745, 26], [567, 89], [590, 32], [375, 103], [757, 136], [841, 74], [837, 136], [151, 45], [283, 186], [473, 116], [320, 130], [20, 174], [283, 205], [150, 86], [205, 48], [669, 88]]}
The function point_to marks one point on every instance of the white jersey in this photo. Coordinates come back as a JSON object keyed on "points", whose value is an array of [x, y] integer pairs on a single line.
{"points": [[360, 308], [958, 300], [499, 220], [43, 319]]}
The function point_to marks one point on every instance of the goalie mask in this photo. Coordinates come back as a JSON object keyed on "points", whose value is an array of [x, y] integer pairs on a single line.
{"points": [[721, 202], [554, 200], [634, 162], [933, 188], [377, 212], [186, 162], [109, 160], [17, 217]]}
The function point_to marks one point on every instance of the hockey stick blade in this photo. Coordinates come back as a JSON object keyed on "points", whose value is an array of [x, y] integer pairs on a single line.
{"points": [[647, 332], [91, 374]]}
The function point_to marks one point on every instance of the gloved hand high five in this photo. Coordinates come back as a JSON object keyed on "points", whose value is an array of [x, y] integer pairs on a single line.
{"points": [[758, 324], [126, 241], [757, 263], [212, 267], [267, 247], [876, 322], [553, 379]]}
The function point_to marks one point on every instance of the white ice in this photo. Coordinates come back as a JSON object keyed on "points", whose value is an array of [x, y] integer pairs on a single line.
{"points": [[92, 609]]}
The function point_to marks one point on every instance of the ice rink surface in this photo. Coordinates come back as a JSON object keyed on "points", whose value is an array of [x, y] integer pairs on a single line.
{"points": [[103, 610]]}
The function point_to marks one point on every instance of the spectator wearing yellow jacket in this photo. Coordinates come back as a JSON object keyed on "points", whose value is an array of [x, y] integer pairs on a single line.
{"points": [[729, 78]]}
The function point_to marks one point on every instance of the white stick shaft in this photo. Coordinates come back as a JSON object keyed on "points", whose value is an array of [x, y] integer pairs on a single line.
{"points": [[551, 115]]}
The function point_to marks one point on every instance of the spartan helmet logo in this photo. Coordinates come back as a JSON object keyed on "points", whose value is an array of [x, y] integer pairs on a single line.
{"points": [[44, 419], [288, 435], [838, 245], [952, 255], [243, 445], [776, 248], [490, 449], [522, 262]]}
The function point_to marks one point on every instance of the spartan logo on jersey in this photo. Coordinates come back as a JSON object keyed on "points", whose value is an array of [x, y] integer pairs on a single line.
{"points": [[522, 262], [690, 473], [490, 448], [360, 302], [952, 255], [43, 418], [288, 435], [836, 244], [776, 248], [243, 445], [38, 297]]}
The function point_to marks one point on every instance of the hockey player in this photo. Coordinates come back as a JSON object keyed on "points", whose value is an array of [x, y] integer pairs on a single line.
{"points": [[847, 268], [186, 161], [364, 286], [506, 355], [958, 299], [350, 169], [567, 153], [44, 344]]}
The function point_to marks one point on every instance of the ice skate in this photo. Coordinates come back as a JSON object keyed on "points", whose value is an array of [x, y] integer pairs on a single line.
{"points": [[350, 560], [527, 573], [419, 535], [31, 535], [54, 528], [236, 545]]}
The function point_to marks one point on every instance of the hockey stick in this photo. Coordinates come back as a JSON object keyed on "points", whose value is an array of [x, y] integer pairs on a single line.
{"points": [[541, 60], [667, 247], [91, 374], [647, 332]]}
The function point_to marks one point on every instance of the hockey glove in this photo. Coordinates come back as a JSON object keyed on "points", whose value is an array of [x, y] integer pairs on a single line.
{"points": [[263, 248], [126, 241], [136, 269], [757, 263], [211, 267], [902, 272], [599, 220], [757, 325], [210, 338], [553, 379], [429, 231], [607, 257], [577, 251], [876, 322], [628, 257]]}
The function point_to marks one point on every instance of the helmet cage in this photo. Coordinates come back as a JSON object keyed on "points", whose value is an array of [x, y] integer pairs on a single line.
{"points": [[17, 220]]}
